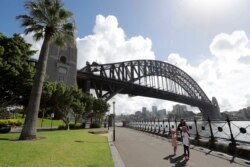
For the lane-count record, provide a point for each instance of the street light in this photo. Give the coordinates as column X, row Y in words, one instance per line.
column 52, row 116
column 108, row 117
column 113, row 120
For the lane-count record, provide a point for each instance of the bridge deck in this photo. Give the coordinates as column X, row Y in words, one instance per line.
column 138, row 148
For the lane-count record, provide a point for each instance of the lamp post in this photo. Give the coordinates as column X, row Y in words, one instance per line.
column 108, row 117
column 52, row 116
column 113, row 120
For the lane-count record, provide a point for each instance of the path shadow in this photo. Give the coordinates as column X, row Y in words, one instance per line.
column 179, row 161
column 168, row 157
column 4, row 138
column 209, row 152
column 86, row 141
column 232, row 160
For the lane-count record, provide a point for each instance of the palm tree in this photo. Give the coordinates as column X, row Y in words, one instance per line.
column 47, row 20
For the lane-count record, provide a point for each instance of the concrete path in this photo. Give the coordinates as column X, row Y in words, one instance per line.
column 141, row 149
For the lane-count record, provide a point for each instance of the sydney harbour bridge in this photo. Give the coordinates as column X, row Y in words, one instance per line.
column 148, row 78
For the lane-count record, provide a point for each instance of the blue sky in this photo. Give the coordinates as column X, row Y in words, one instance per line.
column 206, row 38
column 166, row 23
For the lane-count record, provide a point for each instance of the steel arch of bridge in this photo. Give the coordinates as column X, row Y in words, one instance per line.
column 150, row 78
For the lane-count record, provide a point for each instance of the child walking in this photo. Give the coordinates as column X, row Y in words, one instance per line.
column 174, row 140
column 186, row 142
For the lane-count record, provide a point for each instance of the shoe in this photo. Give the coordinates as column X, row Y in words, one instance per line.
column 187, row 158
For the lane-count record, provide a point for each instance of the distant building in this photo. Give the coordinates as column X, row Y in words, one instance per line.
column 179, row 109
column 162, row 113
column 154, row 109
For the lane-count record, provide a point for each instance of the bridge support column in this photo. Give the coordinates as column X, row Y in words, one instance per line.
column 86, row 86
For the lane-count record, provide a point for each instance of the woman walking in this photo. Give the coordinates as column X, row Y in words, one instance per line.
column 186, row 142
column 174, row 141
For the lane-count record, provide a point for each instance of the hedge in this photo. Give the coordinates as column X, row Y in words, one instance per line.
column 12, row 122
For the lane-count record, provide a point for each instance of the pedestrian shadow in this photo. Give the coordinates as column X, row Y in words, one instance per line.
column 179, row 161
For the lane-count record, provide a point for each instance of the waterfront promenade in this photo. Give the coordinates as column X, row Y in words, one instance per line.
column 139, row 149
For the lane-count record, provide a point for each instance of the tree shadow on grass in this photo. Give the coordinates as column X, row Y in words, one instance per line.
column 85, row 141
column 17, row 139
column 178, row 161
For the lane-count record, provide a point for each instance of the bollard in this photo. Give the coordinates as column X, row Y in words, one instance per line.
column 169, row 130
column 158, row 126
column 175, row 123
column 151, row 123
column 154, row 126
column 143, row 125
column 233, row 142
column 197, row 136
column 163, row 128
column 212, row 139
column 151, row 126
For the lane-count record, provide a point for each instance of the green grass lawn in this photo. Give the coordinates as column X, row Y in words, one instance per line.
column 44, row 123
column 74, row 148
column 47, row 123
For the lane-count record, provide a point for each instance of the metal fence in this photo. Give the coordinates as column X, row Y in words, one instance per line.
column 234, row 132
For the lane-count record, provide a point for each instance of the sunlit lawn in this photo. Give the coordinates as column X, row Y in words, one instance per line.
column 42, row 123
column 48, row 123
column 74, row 148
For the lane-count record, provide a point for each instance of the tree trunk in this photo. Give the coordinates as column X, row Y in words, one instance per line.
column 67, row 123
column 29, row 128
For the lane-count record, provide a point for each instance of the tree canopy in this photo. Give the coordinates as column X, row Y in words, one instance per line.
column 16, row 72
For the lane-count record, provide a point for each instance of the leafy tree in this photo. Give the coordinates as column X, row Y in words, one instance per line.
column 88, row 99
column 46, row 105
column 100, row 107
column 63, row 100
column 78, row 108
column 16, row 73
column 47, row 20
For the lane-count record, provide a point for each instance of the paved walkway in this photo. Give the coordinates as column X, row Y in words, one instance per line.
column 140, row 149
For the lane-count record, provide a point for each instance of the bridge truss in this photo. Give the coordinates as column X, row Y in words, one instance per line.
column 149, row 78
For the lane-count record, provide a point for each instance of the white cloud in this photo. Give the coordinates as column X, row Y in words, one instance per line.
column 248, row 99
column 36, row 45
column 228, row 48
column 177, row 60
column 108, row 43
column 223, row 76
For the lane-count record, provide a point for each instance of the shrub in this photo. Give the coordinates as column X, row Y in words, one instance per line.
column 61, row 127
column 72, row 126
column 95, row 125
column 3, row 121
column 12, row 122
column 15, row 122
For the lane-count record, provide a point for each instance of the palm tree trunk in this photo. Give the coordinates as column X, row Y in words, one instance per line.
column 29, row 128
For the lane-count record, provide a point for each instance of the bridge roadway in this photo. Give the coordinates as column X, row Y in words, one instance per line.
column 134, row 148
